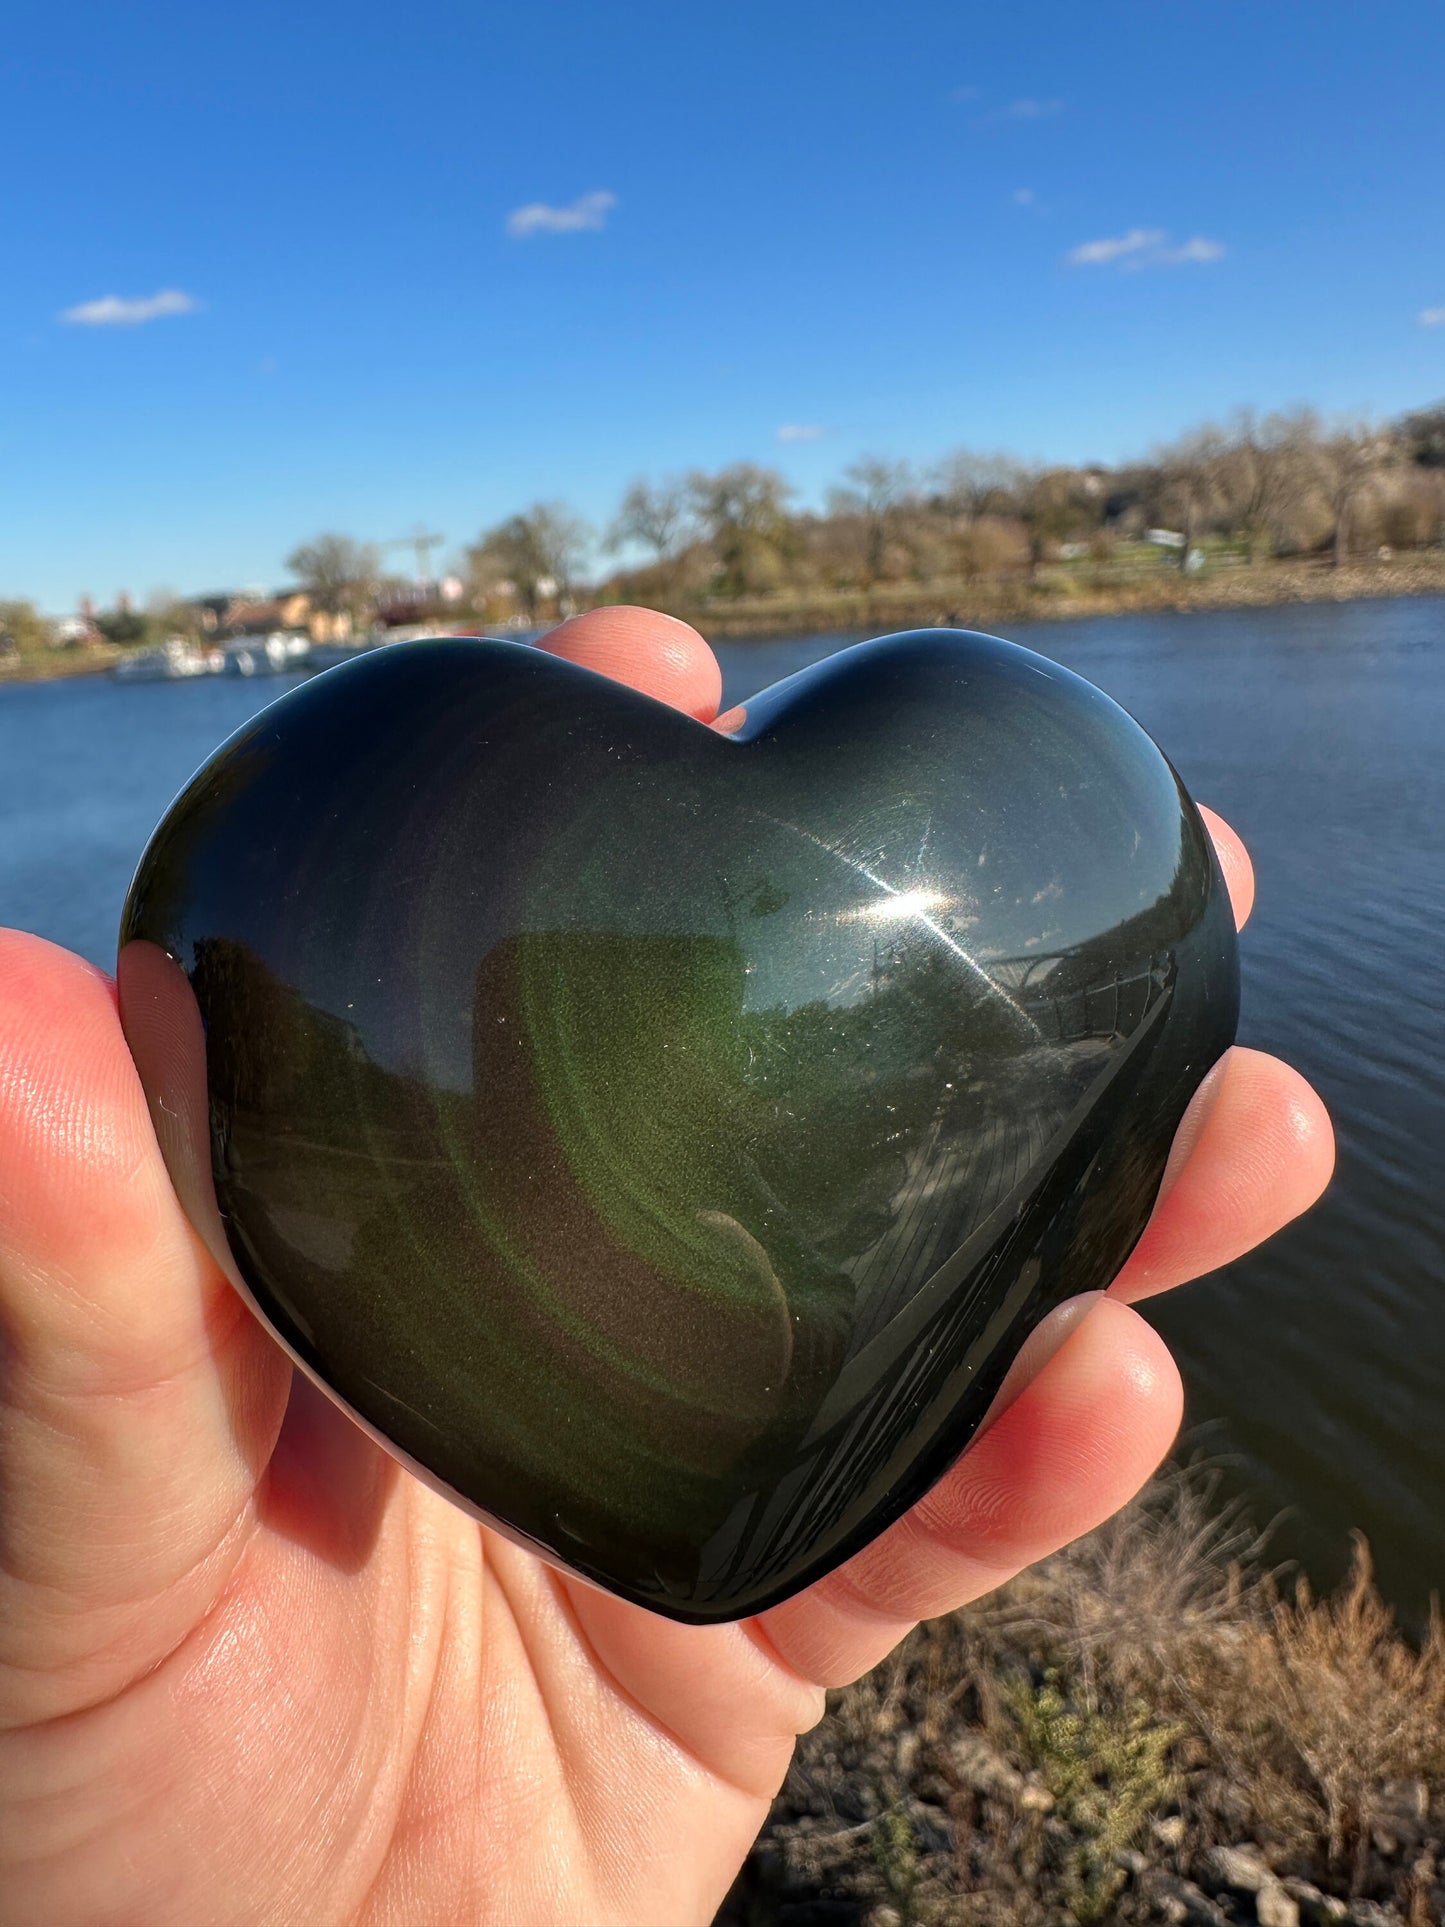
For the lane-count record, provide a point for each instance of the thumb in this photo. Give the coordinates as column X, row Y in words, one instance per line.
column 139, row 1400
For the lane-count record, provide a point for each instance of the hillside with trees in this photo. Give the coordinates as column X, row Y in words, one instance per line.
column 1244, row 512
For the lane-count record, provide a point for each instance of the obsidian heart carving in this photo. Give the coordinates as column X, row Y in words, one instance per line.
column 665, row 1142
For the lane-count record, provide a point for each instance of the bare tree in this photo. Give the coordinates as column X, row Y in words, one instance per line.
column 656, row 518
column 877, row 490
column 743, row 511
column 1412, row 511
column 541, row 552
column 337, row 573
column 564, row 541
column 991, row 545
column 1053, row 507
column 1270, row 470
column 972, row 484
column 1354, row 458
column 1189, row 472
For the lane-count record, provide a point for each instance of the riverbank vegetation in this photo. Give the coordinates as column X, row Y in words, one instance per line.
column 1149, row 1727
column 1270, row 509
column 1259, row 511
column 1266, row 509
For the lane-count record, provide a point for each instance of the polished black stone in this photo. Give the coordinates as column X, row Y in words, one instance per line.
column 665, row 1142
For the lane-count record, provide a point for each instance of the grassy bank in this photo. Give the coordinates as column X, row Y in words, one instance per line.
column 57, row 665
column 1147, row 1728
column 1061, row 592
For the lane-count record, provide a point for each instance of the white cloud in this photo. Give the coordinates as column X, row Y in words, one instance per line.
column 1144, row 247
column 801, row 432
column 1031, row 110
column 1431, row 318
column 587, row 211
column 1022, row 197
column 1197, row 248
column 1098, row 254
column 112, row 311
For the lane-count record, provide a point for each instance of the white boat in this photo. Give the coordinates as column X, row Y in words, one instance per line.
column 270, row 655
column 172, row 661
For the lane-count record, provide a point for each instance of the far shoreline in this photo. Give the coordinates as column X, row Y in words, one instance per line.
column 1056, row 596
column 1061, row 598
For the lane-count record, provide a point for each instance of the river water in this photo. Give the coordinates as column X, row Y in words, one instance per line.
column 1316, row 1367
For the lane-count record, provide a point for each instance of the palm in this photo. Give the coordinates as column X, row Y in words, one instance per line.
column 251, row 1672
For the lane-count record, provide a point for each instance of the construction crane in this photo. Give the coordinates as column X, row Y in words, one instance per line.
column 422, row 543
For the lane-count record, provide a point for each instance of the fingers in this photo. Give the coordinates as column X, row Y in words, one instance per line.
column 139, row 1398
column 1074, row 1446
column 1255, row 1150
column 1090, row 1423
column 1235, row 863
column 655, row 653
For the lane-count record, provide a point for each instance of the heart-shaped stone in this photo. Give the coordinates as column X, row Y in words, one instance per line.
column 663, row 1142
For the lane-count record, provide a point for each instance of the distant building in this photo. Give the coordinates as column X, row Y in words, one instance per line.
column 69, row 631
column 250, row 612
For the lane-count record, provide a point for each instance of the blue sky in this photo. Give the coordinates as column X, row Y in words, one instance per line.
column 878, row 224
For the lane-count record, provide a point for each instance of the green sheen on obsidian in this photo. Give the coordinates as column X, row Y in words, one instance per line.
column 665, row 1142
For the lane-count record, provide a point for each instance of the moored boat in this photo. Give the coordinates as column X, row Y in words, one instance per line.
column 171, row 661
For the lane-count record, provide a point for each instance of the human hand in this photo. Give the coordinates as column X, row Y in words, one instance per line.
column 251, row 1672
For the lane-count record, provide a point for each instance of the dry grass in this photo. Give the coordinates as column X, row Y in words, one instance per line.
column 1061, row 591
column 1079, row 1749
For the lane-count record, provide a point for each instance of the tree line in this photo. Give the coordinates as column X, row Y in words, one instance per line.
column 1258, row 487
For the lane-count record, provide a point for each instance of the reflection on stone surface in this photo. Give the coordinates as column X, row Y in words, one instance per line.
column 666, row 1142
